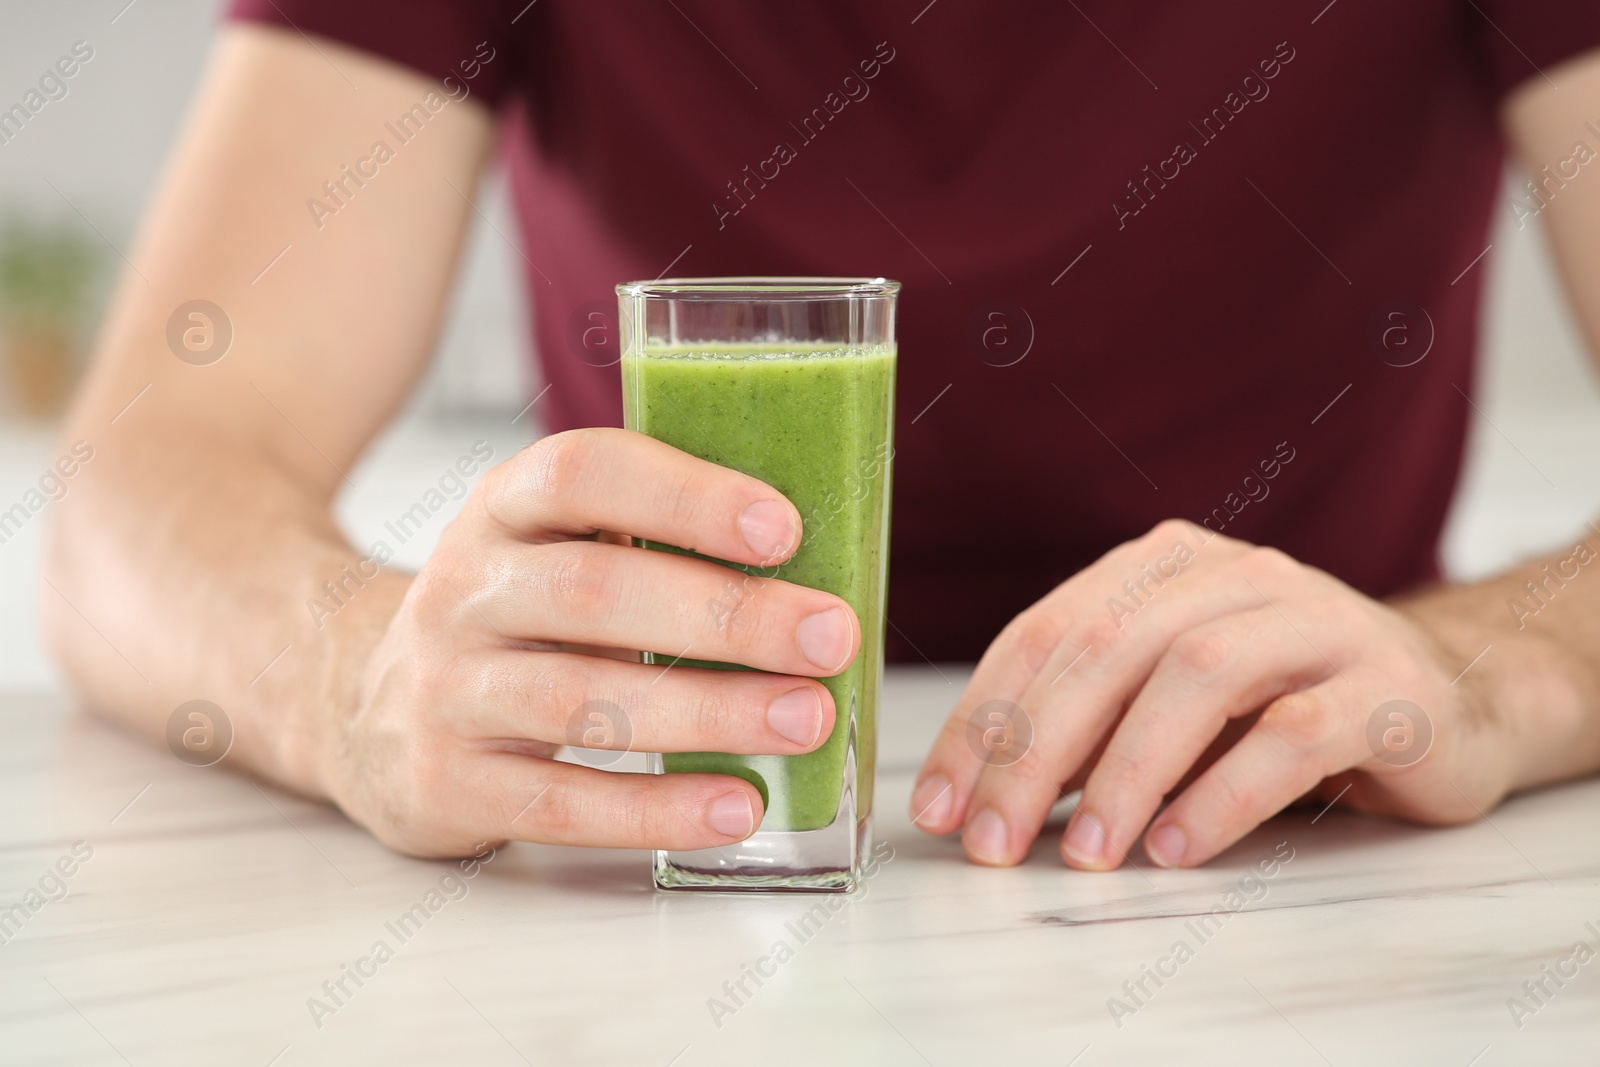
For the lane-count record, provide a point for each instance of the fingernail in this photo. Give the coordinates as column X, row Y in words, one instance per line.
column 932, row 801
column 825, row 639
column 731, row 816
column 1165, row 845
column 985, row 838
column 768, row 528
column 797, row 715
column 1086, row 842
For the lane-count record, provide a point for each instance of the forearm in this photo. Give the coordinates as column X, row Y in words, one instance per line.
column 1534, row 651
column 181, row 571
column 182, row 560
column 1543, row 671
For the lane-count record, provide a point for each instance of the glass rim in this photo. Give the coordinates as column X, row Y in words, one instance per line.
column 762, row 288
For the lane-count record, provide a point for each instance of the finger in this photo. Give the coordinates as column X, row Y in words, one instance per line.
column 592, row 702
column 1215, row 672
column 510, row 797
column 1048, row 639
column 1072, row 710
column 584, row 592
column 582, row 481
column 945, row 783
column 1299, row 740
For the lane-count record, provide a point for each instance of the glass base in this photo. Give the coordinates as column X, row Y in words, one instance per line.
column 825, row 860
column 807, row 861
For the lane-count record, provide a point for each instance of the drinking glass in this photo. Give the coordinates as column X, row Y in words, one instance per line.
column 789, row 380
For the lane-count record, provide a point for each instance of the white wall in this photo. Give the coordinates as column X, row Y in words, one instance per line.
column 104, row 144
column 1531, row 480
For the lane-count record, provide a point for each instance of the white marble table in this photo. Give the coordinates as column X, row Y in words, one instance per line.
column 211, row 910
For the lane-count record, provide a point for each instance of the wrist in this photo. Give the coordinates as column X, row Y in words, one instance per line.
column 344, row 646
column 1524, row 691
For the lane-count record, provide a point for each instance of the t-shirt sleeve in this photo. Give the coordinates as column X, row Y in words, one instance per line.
column 1524, row 39
column 469, row 41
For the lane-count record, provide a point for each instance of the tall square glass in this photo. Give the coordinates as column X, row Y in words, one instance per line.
column 789, row 380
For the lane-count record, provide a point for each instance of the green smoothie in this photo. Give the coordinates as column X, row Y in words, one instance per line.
column 812, row 421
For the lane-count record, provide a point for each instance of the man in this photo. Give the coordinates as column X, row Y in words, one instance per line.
column 1179, row 283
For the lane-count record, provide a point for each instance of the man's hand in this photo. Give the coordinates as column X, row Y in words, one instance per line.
column 1193, row 664
column 521, row 619
column 184, row 561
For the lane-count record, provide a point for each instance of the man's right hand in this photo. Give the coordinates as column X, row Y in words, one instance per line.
column 525, row 614
column 181, row 564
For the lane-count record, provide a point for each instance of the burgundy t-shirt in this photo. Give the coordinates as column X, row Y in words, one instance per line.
column 1219, row 262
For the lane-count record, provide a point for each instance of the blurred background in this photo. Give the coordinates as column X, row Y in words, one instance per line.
column 74, row 181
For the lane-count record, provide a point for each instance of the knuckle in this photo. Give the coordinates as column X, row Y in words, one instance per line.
column 1301, row 720
column 683, row 501
column 454, row 679
column 716, row 719
column 1266, row 562
column 759, row 614
column 491, row 581
column 560, row 812
column 738, row 614
column 550, row 695
column 433, row 595
column 1037, row 764
column 953, row 733
column 1118, row 773
column 1167, row 531
column 1035, row 634
column 1232, row 798
column 554, row 682
column 1203, row 652
column 491, row 489
column 639, row 817
column 559, row 464
column 495, row 487
column 721, row 608
column 585, row 580
column 1101, row 633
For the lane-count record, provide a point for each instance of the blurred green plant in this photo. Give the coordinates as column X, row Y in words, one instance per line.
column 47, row 275
column 46, row 272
